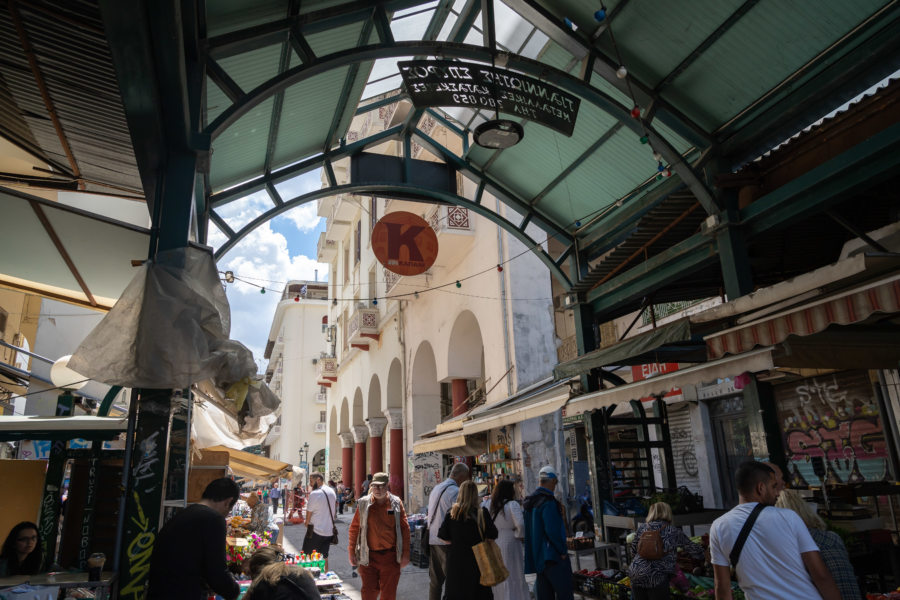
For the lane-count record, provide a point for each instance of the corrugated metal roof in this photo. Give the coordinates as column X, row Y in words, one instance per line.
column 74, row 62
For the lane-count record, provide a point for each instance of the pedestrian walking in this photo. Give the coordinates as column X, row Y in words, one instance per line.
column 320, row 507
column 769, row 548
column 265, row 495
column 507, row 516
column 830, row 544
column 655, row 547
column 364, row 488
column 275, row 495
column 464, row 526
column 440, row 500
column 546, row 552
column 340, row 496
column 379, row 540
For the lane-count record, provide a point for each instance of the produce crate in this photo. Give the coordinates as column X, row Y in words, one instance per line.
column 598, row 587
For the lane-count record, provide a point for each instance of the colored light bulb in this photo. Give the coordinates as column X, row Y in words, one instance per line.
column 600, row 14
column 644, row 139
column 636, row 112
column 458, row 284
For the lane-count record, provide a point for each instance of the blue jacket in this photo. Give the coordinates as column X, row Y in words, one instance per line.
column 545, row 530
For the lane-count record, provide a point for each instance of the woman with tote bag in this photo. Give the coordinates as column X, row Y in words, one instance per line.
column 466, row 525
column 507, row 516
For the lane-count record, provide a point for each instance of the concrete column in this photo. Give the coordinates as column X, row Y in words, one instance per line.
column 458, row 393
column 376, row 427
column 360, row 434
column 395, row 420
column 346, row 458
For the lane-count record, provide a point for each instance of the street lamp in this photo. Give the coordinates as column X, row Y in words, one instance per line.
column 304, row 455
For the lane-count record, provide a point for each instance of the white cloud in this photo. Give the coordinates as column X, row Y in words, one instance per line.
column 264, row 259
column 304, row 217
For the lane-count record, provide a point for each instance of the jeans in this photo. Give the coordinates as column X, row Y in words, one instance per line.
column 660, row 592
column 437, row 571
column 555, row 581
column 380, row 576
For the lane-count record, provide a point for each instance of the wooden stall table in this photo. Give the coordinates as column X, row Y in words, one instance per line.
column 64, row 580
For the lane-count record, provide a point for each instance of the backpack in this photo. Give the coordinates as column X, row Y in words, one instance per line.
column 650, row 545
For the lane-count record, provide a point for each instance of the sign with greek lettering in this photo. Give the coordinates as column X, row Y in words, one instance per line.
column 404, row 243
column 472, row 85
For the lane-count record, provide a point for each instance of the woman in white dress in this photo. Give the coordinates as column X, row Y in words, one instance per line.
column 507, row 516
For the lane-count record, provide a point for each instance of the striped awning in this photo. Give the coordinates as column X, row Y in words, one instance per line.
column 847, row 308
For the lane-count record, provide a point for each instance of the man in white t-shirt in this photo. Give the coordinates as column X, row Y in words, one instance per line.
column 320, row 509
column 779, row 558
column 439, row 502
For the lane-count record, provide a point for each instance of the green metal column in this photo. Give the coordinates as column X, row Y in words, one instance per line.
column 585, row 336
column 144, row 493
column 48, row 522
column 736, row 272
column 90, row 500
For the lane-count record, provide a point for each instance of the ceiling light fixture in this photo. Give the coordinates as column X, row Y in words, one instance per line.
column 499, row 134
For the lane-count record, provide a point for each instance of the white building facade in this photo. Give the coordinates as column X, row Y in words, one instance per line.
column 294, row 349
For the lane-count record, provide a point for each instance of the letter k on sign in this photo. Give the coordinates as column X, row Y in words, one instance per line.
column 404, row 243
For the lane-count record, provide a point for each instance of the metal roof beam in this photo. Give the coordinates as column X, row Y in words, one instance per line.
column 577, row 162
column 284, row 62
column 574, row 43
column 349, row 82
column 259, row 36
column 498, row 190
column 383, row 25
column 407, row 192
column 465, row 21
column 535, row 68
column 712, row 38
column 313, row 162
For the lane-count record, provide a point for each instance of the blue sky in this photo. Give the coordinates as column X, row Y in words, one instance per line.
column 275, row 252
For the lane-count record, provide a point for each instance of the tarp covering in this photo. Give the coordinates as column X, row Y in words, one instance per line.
column 212, row 426
column 169, row 329
column 253, row 466
column 640, row 349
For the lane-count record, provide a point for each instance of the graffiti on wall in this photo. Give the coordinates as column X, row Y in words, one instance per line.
column 832, row 430
column 424, row 474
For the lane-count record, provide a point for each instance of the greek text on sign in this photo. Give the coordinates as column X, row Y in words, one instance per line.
column 471, row 85
column 404, row 243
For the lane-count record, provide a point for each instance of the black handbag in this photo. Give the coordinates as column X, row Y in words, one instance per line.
column 334, row 531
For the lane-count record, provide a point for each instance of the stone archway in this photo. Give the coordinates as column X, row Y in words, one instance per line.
column 465, row 363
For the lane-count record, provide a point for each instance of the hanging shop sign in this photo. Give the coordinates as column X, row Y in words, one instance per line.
column 832, row 430
column 477, row 86
column 404, row 243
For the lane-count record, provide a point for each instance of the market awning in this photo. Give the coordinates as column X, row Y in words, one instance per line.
column 65, row 252
column 843, row 347
column 759, row 360
column 252, row 466
column 85, row 427
column 668, row 343
column 454, row 443
column 537, row 402
column 853, row 306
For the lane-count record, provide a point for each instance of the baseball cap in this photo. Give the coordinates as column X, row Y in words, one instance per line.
column 548, row 472
column 380, row 478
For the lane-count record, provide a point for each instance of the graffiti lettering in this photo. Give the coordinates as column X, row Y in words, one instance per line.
column 863, row 436
column 144, row 468
column 140, row 549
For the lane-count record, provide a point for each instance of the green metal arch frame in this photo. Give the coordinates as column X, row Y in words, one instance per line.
column 528, row 66
column 404, row 192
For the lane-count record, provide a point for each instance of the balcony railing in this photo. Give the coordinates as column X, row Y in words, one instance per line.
column 321, row 427
column 321, row 398
column 362, row 325
column 327, row 369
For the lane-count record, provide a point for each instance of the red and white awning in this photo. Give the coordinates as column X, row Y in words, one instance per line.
column 847, row 308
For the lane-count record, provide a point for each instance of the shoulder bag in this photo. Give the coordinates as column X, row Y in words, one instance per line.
column 742, row 537
column 334, row 531
column 487, row 555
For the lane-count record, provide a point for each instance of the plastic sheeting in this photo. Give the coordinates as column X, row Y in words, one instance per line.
column 211, row 426
column 169, row 329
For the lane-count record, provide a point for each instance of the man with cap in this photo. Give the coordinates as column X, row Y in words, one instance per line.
column 546, row 552
column 379, row 540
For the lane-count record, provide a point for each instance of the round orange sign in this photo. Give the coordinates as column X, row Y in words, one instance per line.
column 404, row 243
